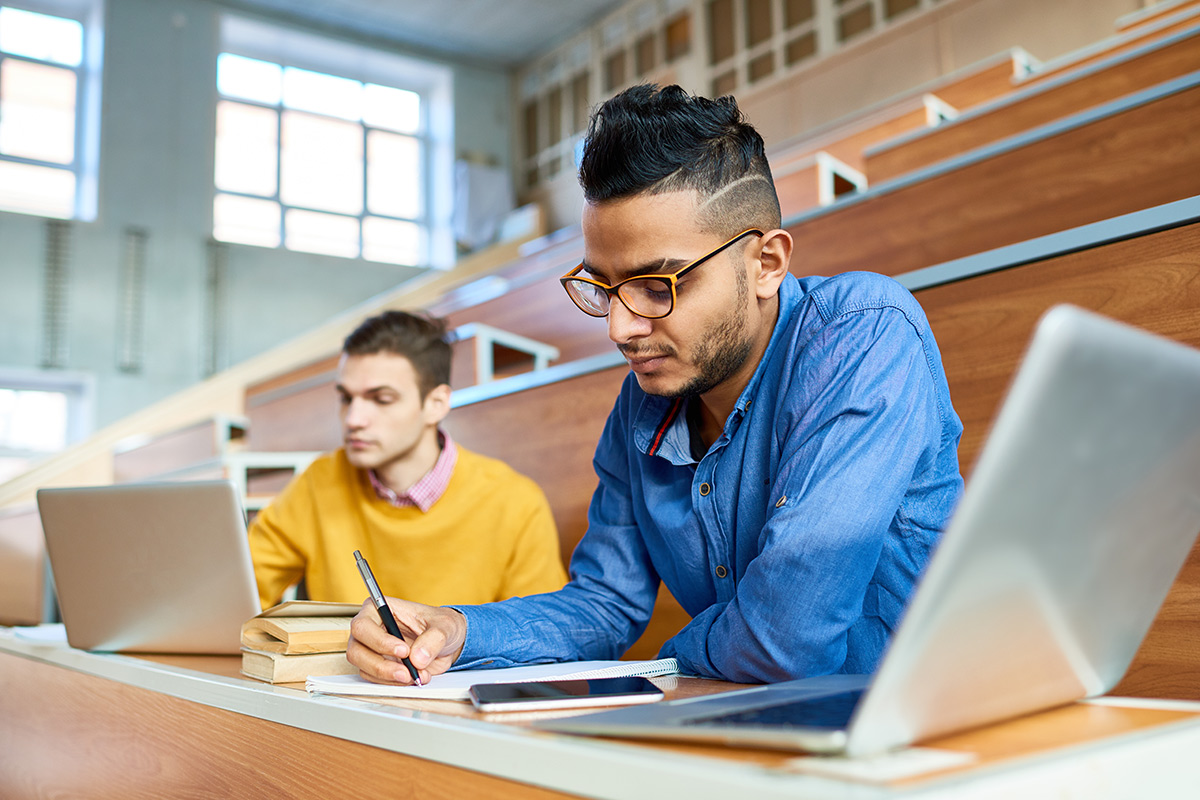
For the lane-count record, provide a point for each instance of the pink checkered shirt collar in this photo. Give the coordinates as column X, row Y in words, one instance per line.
column 427, row 491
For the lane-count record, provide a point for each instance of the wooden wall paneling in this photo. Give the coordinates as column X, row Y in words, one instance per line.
column 295, row 411
column 1128, row 159
column 983, row 325
column 541, row 310
column 846, row 139
column 986, row 83
column 798, row 186
column 22, row 566
column 849, row 149
column 1037, row 104
column 173, row 451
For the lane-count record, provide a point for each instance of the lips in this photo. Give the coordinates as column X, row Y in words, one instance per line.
column 645, row 364
column 357, row 444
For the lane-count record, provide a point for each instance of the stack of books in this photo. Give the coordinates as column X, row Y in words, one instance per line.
column 293, row 640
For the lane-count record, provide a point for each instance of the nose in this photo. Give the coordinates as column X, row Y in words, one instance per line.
column 624, row 325
column 354, row 415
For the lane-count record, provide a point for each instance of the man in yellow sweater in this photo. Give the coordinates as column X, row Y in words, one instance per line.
column 441, row 524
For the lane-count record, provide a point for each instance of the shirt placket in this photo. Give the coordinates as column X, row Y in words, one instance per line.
column 707, row 499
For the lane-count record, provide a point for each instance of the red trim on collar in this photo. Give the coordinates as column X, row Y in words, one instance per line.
column 666, row 423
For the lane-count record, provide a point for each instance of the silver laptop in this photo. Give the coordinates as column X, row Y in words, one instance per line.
column 150, row 567
column 1081, row 511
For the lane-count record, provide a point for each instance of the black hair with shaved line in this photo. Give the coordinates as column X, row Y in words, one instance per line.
column 651, row 140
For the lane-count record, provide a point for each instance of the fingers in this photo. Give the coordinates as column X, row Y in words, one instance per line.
column 374, row 651
column 440, row 644
column 435, row 640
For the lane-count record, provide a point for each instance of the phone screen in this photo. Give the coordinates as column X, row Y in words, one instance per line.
column 540, row 695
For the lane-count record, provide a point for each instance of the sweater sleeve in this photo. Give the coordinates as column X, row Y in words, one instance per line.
column 279, row 560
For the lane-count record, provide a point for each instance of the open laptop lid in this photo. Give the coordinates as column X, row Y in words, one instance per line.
column 1079, row 514
column 150, row 567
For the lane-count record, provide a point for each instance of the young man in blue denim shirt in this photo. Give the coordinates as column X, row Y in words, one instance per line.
column 783, row 455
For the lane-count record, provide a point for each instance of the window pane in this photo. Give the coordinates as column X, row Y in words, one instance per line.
column 322, row 94
column 246, row 220
column 40, row 36
column 37, row 190
column 394, row 109
column 614, row 70
column 645, row 54
column 394, row 175
column 321, row 164
column 720, row 31
column 330, row 234
column 249, row 79
column 392, row 241
column 247, row 148
column 855, row 22
column 797, row 11
column 37, row 111
column 579, row 102
column 758, row 21
column 33, row 420
column 679, row 36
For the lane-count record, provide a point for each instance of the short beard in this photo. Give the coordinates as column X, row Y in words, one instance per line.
column 725, row 348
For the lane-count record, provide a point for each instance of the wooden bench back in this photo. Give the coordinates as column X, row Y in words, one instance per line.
column 1039, row 103
column 983, row 324
column 1128, row 159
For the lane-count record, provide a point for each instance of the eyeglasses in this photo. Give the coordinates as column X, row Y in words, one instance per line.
column 649, row 296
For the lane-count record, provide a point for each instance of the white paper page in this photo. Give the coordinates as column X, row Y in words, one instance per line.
column 454, row 685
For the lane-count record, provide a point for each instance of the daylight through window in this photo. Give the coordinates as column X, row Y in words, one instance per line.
column 41, row 59
column 319, row 163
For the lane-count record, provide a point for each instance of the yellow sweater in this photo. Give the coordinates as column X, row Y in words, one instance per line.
column 489, row 537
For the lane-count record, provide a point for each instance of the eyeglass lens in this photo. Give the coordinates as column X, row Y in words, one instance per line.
column 648, row 297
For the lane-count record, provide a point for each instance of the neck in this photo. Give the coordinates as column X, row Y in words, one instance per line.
column 402, row 472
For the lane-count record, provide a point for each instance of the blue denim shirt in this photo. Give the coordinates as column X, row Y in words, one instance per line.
column 795, row 542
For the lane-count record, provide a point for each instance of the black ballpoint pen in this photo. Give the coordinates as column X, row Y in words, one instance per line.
column 385, row 613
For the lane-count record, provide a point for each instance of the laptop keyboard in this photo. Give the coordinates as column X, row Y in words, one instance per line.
column 831, row 711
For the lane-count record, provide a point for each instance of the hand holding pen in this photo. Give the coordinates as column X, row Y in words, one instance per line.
column 385, row 613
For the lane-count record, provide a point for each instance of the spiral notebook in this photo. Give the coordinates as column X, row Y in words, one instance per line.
column 454, row 685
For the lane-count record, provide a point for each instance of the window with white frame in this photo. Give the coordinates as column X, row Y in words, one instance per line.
column 47, row 111
column 40, row 415
column 338, row 161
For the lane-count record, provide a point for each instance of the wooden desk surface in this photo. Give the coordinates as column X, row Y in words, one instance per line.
column 86, row 725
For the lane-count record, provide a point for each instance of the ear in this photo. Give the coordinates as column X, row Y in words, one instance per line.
column 436, row 405
column 775, row 253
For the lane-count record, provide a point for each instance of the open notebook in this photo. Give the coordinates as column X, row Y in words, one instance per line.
column 454, row 685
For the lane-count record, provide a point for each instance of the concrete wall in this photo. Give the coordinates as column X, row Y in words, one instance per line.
column 156, row 167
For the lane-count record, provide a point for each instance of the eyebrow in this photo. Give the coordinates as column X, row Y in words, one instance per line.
column 373, row 390
column 660, row 267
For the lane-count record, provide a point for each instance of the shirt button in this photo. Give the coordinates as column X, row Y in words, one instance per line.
column 721, row 571
column 705, row 489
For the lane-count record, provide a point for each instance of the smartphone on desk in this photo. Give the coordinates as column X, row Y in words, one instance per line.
column 545, row 695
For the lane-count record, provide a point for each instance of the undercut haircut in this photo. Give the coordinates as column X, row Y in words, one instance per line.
column 419, row 338
column 651, row 140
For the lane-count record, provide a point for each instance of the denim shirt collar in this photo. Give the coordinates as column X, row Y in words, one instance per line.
column 660, row 426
